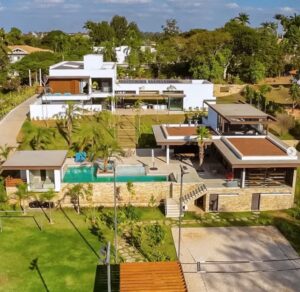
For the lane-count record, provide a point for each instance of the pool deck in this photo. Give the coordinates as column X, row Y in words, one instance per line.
column 143, row 156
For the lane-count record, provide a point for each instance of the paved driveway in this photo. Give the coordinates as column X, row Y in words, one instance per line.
column 13, row 121
column 254, row 245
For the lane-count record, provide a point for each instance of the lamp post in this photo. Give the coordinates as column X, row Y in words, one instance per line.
column 183, row 171
column 115, row 215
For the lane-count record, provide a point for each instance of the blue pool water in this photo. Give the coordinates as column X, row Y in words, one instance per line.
column 86, row 174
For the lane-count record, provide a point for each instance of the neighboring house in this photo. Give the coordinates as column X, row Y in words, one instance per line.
column 17, row 52
column 90, row 82
column 245, row 167
column 122, row 53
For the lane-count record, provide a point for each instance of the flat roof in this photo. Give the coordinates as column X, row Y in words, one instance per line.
column 256, row 146
column 69, row 65
column 237, row 162
column 36, row 159
column 155, row 276
column 238, row 110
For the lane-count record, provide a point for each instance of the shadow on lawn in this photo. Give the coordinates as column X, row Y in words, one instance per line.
column 34, row 266
column 81, row 235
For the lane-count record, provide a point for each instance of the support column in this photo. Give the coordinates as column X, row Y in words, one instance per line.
column 294, row 181
column 168, row 154
column 243, row 178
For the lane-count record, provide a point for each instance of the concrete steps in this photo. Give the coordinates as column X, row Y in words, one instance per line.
column 126, row 134
column 195, row 194
column 172, row 209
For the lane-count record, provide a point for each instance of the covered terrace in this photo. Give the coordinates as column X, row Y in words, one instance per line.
column 41, row 169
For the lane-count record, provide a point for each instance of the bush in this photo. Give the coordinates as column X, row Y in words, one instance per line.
column 155, row 234
column 131, row 213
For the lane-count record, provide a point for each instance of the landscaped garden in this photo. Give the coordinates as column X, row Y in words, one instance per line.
column 63, row 256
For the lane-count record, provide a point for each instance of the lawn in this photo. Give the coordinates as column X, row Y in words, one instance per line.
column 66, row 251
column 66, row 259
column 277, row 94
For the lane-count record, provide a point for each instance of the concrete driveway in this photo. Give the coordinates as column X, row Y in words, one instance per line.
column 11, row 124
column 256, row 246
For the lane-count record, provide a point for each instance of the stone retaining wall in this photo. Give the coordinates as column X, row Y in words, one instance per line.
column 230, row 199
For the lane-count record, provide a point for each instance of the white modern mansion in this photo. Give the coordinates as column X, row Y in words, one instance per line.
column 93, row 85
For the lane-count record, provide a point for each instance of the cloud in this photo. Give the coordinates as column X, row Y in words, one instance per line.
column 1, row 7
column 288, row 10
column 47, row 3
column 232, row 5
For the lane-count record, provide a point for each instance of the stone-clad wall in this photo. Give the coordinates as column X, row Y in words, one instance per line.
column 276, row 202
column 141, row 195
column 232, row 200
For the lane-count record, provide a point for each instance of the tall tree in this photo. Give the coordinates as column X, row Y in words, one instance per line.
column 77, row 192
column 202, row 135
column 120, row 26
column 171, row 27
column 22, row 194
column 295, row 94
column 3, row 50
column 243, row 18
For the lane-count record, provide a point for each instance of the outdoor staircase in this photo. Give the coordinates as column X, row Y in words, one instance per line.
column 126, row 132
column 172, row 208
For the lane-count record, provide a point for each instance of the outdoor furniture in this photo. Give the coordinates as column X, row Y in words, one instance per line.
column 80, row 156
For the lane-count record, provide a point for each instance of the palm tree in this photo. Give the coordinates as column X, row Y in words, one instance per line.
column 41, row 139
column 66, row 126
column 22, row 193
column 5, row 151
column 138, row 108
column 48, row 196
column 77, row 192
column 270, row 26
column 203, row 134
column 295, row 94
column 263, row 90
column 243, row 18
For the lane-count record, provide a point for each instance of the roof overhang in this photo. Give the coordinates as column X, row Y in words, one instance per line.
column 35, row 159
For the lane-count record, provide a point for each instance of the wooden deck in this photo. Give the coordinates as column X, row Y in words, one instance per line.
column 158, row 277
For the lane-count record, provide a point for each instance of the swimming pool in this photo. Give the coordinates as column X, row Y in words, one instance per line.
column 86, row 174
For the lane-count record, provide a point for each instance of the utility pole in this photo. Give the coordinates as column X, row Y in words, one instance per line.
column 40, row 76
column 29, row 77
column 115, row 215
column 183, row 171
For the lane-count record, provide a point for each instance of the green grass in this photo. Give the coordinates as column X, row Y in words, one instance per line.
column 66, row 257
column 277, row 94
column 65, row 260
column 146, row 138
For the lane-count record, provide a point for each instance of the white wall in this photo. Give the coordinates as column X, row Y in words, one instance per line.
column 57, row 179
column 49, row 111
column 212, row 119
column 196, row 92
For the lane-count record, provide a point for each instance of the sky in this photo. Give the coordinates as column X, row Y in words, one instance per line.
column 150, row 15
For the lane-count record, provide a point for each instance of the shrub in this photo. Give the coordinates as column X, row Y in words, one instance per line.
column 155, row 234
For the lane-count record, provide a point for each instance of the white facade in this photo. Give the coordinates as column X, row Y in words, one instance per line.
column 94, row 69
column 195, row 91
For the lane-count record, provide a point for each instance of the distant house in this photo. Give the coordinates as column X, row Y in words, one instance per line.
column 17, row 52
